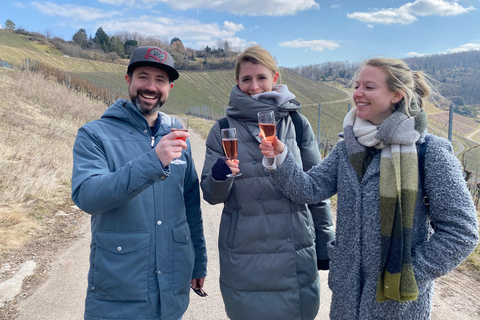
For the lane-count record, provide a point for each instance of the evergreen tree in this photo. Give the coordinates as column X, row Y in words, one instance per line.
column 81, row 38
column 129, row 47
column 102, row 39
column 10, row 25
column 116, row 45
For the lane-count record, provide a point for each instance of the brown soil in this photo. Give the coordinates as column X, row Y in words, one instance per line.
column 457, row 296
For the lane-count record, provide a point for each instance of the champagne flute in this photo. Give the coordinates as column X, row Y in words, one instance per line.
column 179, row 124
column 266, row 122
column 230, row 145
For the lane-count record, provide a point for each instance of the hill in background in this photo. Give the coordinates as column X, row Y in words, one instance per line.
column 209, row 90
column 456, row 76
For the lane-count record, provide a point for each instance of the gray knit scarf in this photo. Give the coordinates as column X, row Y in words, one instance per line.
column 396, row 137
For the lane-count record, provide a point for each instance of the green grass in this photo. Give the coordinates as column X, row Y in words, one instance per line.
column 11, row 39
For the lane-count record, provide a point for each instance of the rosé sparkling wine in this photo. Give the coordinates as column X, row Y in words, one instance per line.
column 268, row 130
column 231, row 148
column 182, row 129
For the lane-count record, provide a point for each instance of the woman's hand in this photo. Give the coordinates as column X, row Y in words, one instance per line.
column 223, row 167
column 273, row 149
column 233, row 165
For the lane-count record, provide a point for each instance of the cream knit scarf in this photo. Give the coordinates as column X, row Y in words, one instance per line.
column 396, row 137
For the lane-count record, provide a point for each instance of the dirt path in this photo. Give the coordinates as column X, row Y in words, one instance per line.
column 457, row 296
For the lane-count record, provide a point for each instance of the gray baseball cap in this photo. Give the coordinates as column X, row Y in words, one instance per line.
column 153, row 57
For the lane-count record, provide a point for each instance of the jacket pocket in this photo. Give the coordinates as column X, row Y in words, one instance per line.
column 228, row 225
column 331, row 246
column 121, row 266
column 183, row 259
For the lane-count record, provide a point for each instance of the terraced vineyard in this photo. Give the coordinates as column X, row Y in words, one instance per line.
column 17, row 56
column 207, row 88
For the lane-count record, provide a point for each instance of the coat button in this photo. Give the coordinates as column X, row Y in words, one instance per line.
column 259, row 201
column 159, row 222
column 283, row 199
column 254, row 162
column 119, row 248
column 163, row 178
column 289, row 240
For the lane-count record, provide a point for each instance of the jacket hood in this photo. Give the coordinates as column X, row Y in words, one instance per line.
column 245, row 108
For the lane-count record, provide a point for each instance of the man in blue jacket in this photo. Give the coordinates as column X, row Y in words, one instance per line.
column 147, row 245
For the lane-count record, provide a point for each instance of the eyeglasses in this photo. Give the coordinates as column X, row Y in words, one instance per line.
column 200, row 292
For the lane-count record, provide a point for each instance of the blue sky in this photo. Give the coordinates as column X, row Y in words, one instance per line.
column 296, row 32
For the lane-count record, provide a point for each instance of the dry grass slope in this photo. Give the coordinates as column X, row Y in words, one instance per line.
column 38, row 124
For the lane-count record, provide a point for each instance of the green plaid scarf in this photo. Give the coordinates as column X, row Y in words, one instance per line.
column 396, row 137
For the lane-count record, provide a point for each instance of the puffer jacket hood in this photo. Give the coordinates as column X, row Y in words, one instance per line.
column 245, row 108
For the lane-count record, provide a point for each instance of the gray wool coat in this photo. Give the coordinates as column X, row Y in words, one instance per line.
column 267, row 247
column 355, row 253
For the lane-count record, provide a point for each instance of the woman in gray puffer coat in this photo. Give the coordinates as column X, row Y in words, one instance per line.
column 389, row 245
column 270, row 247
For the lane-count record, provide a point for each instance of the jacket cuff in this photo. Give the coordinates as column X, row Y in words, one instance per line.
column 323, row 264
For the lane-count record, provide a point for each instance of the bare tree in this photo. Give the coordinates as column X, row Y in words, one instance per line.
column 48, row 33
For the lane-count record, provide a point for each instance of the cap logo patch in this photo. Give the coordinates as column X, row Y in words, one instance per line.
column 157, row 54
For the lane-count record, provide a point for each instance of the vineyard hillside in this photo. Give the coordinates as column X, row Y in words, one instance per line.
column 207, row 89
column 210, row 89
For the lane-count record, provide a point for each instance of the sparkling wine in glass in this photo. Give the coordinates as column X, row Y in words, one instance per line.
column 179, row 124
column 266, row 122
column 230, row 145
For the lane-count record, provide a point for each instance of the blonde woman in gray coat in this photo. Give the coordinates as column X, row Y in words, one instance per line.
column 270, row 247
column 389, row 246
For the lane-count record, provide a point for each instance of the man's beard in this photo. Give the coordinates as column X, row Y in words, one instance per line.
column 147, row 110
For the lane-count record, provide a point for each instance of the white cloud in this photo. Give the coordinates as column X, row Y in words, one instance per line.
column 416, row 54
column 409, row 12
column 474, row 45
column 116, row 2
column 241, row 8
column 233, row 27
column 437, row 8
column 72, row 11
column 190, row 31
column 235, row 42
column 314, row 45
column 384, row 16
column 19, row 5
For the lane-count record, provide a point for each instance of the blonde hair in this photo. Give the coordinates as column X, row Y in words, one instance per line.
column 256, row 55
column 413, row 85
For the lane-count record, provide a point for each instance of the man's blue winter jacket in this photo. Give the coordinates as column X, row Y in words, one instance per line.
column 147, row 234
